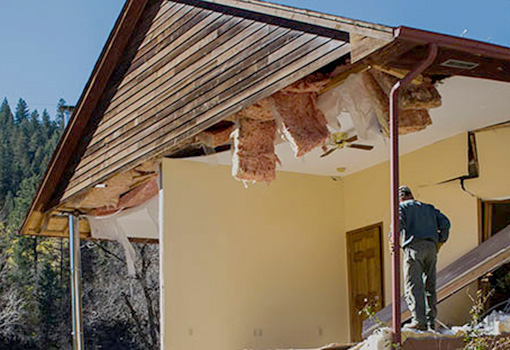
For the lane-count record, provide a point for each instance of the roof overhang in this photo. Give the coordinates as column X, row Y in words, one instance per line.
column 400, row 48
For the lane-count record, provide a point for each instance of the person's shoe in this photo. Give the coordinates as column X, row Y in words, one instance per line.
column 431, row 327
column 415, row 326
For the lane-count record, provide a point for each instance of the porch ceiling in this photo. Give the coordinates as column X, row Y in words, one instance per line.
column 468, row 104
column 130, row 114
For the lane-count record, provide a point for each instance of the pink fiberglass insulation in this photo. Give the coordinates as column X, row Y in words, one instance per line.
column 303, row 124
column 254, row 159
column 410, row 120
column 133, row 198
column 413, row 96
column 311, row 83
column 216, row 137
column 261, row 110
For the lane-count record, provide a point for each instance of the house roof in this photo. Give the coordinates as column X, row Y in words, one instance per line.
column 154, row 87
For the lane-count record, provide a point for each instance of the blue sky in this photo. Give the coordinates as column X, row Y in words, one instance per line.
column 49, row 48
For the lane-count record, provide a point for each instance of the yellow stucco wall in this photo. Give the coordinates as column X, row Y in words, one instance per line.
column 427, row 171
column 494, row 156
column 256, row 268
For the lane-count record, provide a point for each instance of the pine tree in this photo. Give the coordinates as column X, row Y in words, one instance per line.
column 26, row 145
column 49, row 299
column 119, row 312
column 6, row 117
column 60, row 117
column 22, row 112
column 6, row 126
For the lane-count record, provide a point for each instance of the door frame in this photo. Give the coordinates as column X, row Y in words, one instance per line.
column 485, row 218
column 349, row 263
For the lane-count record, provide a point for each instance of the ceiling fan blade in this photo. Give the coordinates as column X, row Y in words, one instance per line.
column 363, row 147
column 327, row 153
column 352, row 139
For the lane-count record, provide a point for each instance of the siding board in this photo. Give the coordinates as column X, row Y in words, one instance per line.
column 181, row 82
column 179, row 78
column 193, row 67
column 180, row 28
column 166, row 62
column 204, row 95
column 193, row 127
column 168, row 9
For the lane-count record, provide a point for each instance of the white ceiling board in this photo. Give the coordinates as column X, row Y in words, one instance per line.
column 468, row 104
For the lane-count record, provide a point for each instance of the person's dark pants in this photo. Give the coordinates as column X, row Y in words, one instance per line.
column 420, row 259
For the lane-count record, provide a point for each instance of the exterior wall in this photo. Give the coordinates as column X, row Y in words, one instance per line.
column 367, row 198
column 271, row 260
column 256, row 268
column 494, row 156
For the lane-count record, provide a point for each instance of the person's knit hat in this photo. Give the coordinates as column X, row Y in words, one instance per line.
column 404, row 192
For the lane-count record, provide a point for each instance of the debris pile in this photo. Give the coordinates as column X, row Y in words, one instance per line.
column 495, row 323
column 494, row 328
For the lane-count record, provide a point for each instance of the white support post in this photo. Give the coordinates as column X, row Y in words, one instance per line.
column 75, row 262
column 161, row 232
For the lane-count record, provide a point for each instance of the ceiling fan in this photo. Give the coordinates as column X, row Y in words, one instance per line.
column 339, row 140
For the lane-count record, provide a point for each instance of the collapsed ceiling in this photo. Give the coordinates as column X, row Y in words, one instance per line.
column 304, row 115
column 337, row 108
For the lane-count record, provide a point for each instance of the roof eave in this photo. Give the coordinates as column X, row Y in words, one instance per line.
column 471, row 46
column 127, row 22
column 88, row 101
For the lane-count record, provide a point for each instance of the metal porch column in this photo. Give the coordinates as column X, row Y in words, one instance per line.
column 75, row 262
column 395, row 180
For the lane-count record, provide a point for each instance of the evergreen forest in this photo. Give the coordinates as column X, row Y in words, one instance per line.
column 120, row 312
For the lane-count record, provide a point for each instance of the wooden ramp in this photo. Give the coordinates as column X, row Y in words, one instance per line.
column 485, row 258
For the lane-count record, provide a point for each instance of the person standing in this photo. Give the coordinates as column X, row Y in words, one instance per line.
column 423, row 230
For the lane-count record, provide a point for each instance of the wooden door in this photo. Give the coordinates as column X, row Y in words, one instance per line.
column 365, row 274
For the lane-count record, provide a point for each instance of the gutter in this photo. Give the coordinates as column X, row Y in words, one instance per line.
column 444, row 41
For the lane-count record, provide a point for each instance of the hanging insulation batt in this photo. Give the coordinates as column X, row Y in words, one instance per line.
column 303, row 124
column 413, row 96
column 254, row 157
column 410, row 120
column 216, row 136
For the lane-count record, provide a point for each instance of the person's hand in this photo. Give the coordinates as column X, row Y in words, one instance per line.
column 438, row 246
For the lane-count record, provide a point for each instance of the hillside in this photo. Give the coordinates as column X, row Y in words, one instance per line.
column 34, row 273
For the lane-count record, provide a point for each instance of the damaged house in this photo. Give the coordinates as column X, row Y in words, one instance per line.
column 251, row 142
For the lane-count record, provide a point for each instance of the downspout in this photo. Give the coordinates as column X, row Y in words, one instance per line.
column 395, row 180
column 75, row 262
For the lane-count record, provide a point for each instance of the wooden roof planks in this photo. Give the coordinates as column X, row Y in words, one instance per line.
column 173, row 68
column 203, row 66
